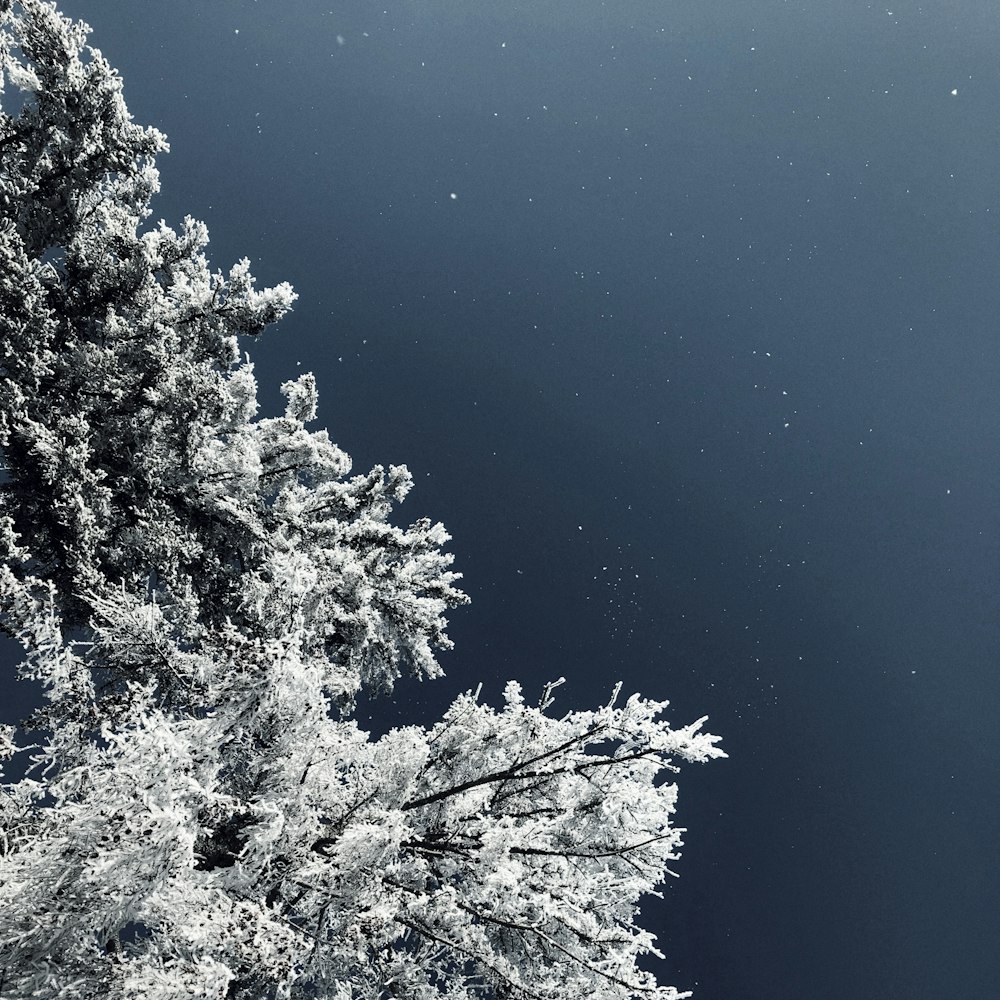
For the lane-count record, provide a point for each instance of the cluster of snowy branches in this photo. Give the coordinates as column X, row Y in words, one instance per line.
column 201, row 594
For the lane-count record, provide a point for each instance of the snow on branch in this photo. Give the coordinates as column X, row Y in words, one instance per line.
column 201, row 593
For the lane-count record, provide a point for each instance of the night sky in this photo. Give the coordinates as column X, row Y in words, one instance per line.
column 684, row 316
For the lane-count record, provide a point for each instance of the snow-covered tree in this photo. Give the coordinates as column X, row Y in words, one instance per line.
column 201, row 594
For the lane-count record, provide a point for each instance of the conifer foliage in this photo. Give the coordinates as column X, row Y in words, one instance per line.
column 201, row 593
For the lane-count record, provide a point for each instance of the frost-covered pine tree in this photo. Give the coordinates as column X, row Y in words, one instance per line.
column 201, row 594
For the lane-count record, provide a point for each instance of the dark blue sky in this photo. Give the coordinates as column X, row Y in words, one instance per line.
column 699, row 366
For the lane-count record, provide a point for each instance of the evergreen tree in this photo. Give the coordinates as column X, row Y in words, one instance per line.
column 201, row 594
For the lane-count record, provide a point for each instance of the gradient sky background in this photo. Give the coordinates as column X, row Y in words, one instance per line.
column 684, row 316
